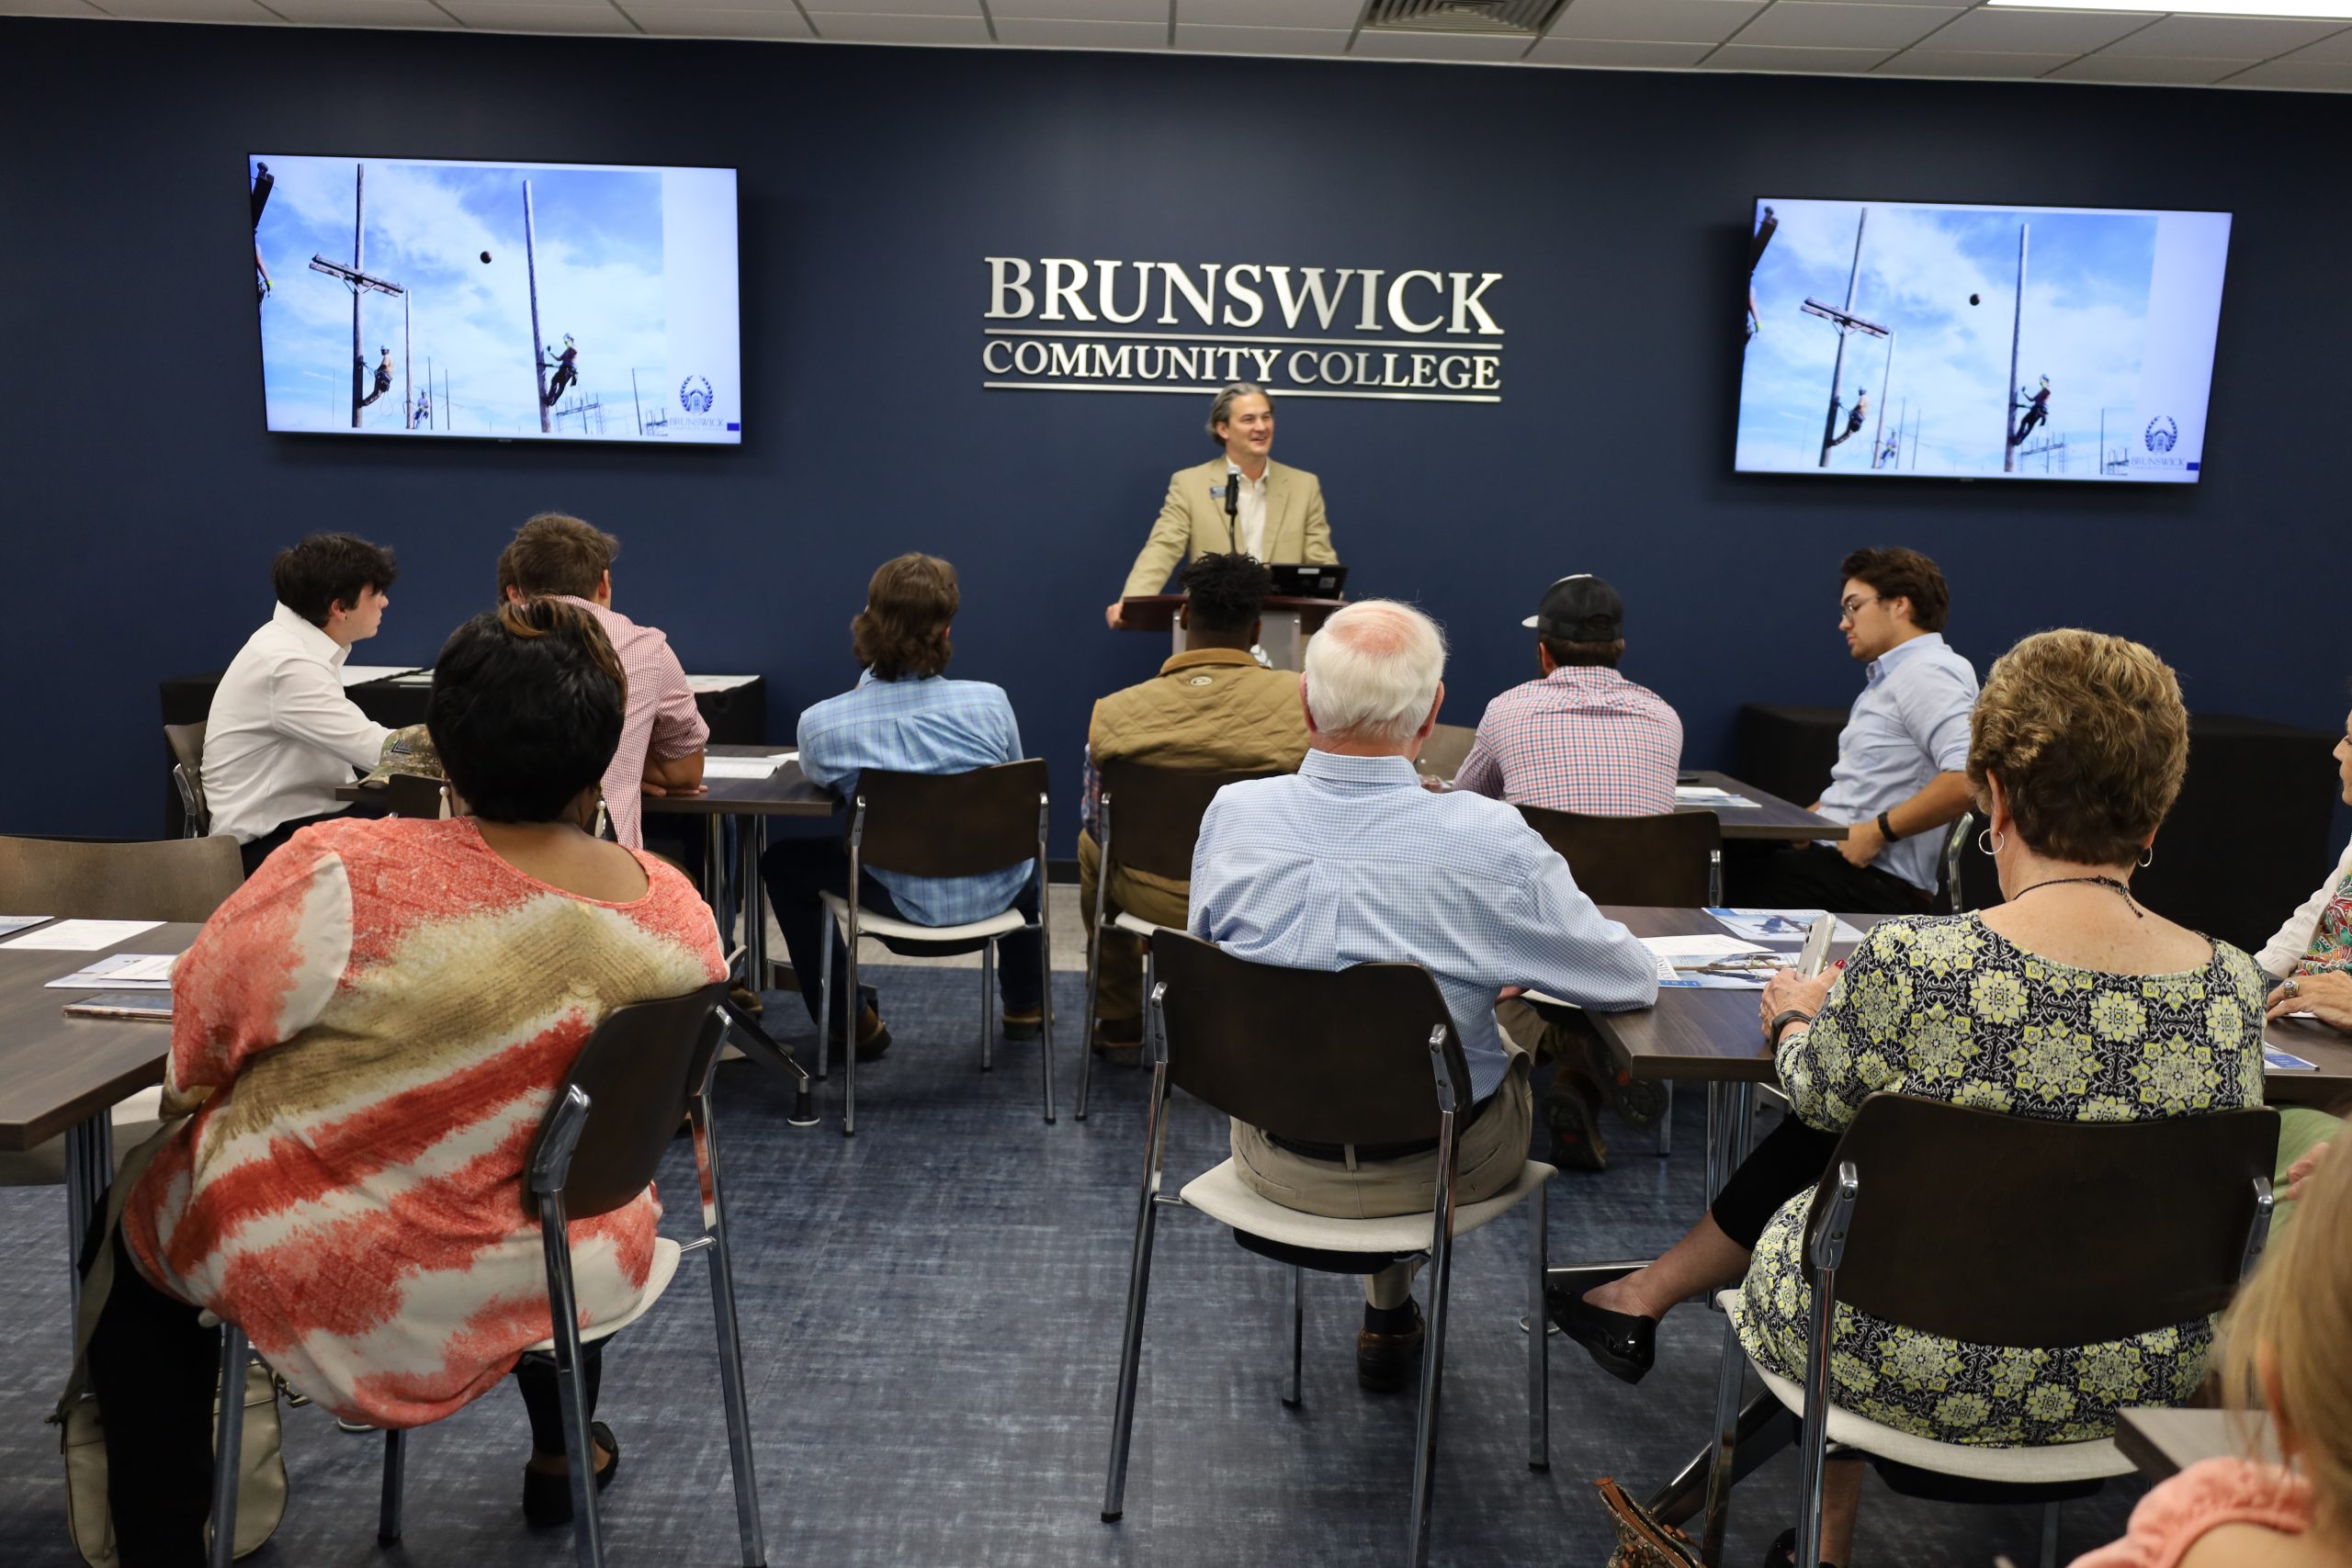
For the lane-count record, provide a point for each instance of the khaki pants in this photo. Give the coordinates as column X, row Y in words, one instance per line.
column 1491, row 1155
column 1122, row 993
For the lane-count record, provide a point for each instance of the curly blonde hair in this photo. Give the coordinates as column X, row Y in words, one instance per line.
column 2091, row 740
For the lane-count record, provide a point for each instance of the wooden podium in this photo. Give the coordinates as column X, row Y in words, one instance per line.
column 1286, row 624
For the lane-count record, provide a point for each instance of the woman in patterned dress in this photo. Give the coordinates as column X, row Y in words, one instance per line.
column 367, row 1034
column 2070, row 1001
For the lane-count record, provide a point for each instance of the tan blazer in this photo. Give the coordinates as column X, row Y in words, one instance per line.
column 1192, row 522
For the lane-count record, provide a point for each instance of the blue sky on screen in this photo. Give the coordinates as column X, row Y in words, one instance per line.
column 600, row 274
column 2084, row 327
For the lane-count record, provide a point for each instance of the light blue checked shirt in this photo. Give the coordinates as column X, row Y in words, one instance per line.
column 1351, row 860
column 924, row 724
column 1909, row 724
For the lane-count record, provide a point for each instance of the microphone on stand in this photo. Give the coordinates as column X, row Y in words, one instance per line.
column 1232, row 504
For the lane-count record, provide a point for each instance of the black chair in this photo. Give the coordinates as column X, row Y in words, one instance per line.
column 645, row 1068
column 942, row 825
column 1327, row 1057
column 186, row 742
column 1995, row 1229
column 1160, row 813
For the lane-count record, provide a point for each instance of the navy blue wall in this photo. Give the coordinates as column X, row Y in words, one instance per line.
column 142, row 498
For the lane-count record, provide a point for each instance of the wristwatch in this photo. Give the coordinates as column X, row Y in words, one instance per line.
column 1780, row 1021
column 1887, row 827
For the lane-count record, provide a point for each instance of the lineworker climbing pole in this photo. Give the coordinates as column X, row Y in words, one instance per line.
column 1854, row 417
column 383, row 378
column 567, row 369
column 2037, row 411
column 421, row 417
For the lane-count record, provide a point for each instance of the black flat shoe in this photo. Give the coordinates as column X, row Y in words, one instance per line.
column 1782, row 1553
column 547, row 1499
column 1624, row 1344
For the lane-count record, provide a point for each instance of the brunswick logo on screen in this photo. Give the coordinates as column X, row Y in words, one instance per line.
column 1060, row 324
column 694, row 395
column 2161, row 433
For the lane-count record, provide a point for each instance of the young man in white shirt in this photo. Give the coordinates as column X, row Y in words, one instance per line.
column 282, row 736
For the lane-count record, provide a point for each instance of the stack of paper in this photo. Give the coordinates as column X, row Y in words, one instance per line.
column 1709, row 795
column 122, row 972
column 20, row 922
column 82, row 936
column 745, row 767
column 1718, row 962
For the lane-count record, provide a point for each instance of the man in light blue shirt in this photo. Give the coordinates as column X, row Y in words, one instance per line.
column 1901, row 760
column 905, row 716
column 1351, row 862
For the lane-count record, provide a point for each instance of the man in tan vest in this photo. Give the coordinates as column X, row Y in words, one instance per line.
column 1240, row 500
column 1212, row 708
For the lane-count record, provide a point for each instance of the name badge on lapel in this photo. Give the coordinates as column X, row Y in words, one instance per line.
column 1216, row 492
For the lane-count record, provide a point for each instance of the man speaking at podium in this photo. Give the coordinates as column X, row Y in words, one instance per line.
column 1240, row 502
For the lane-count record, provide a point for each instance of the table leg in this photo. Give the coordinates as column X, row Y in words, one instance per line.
column 754, row 900
column 89, row 1169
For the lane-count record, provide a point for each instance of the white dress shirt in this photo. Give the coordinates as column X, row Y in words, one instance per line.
column 282, row 736
column 1249, row 523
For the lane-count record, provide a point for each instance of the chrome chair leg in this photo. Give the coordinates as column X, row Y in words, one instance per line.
column 1731, row 1378
column 1045, row 979
column 2048, row 1510
column 854, row 1011
column 729, row 1332
column 1416, row 1550
column 987, row 1000
column 228, row 1446
column 388, row 1514
column 1291, row 1392
column 1539, row 1353
column 579, row 1445
column 825, row 993
column 1665, row 1125
column 1122, row 1413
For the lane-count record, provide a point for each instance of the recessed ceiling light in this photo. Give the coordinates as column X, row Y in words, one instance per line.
column 2339, row 9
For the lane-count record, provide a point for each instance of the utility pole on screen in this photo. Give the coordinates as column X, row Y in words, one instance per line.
column 531, row 269
column 2017, row 327
column 1846, row 322
column 356, row 278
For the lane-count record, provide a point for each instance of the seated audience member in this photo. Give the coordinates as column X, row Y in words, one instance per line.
column 661, row 750
column 2284, row 1351
column 1581, row 737
column 1351, row 860
column 282, row 736
column 1898, row 775
column 349, row 1189
column 2070, row 1001
column 903, row 716
column 1212, row 708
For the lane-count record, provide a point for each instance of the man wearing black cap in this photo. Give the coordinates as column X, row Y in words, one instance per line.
column 1581, row 737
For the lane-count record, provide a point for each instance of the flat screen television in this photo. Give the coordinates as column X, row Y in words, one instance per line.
column 1930, row 339
column 504, row 302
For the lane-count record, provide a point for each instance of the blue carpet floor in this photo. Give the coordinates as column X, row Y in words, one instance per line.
column 931, row 1314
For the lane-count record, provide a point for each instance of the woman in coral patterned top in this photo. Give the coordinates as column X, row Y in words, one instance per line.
column 369, row 1034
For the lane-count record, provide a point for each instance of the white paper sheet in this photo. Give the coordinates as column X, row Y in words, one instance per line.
column 360, row 674
column 80, row 936
column 1778, row 925
column 745, row 767
column 1700, row 948
column 699, row 684
column 122, row 972
column 1707, row 794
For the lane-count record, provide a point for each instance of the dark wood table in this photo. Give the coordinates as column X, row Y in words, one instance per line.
column 1770, row 818
column 2163, row 1443
column 64, row 1075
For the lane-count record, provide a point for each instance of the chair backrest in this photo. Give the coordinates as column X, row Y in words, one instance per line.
column 1155, row 813
column 1325, row 1057
column 951, row 824
column 170, row 879
column 639, row 1069
column 413, row 795
column 186, row 742
column 1998, row 1229
column 1666, row 860
column 1442, row 752
column 1955, row 851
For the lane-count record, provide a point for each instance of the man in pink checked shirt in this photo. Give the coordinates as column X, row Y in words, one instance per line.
column 662, row 733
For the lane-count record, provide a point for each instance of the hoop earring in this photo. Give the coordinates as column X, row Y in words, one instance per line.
column 2147, row 857
column 1985, row 842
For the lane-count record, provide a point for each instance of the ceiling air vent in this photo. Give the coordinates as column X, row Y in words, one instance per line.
column 1500, row 18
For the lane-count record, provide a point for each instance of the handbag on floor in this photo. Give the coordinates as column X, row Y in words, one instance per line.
column 1641, row 1541
column 261, row 1481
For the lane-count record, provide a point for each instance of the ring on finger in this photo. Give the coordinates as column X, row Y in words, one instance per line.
column 2293, row 987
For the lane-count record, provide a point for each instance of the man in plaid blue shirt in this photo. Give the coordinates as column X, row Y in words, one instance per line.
column 1350, row 861
column 905, row 716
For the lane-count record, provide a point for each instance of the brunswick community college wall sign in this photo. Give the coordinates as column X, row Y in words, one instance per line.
column 1060, row 324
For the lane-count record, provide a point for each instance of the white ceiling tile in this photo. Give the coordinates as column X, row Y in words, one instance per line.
column 957, row 9
column 1340, row 14
column 1765, row 57
column 1988, row 31
column 1047, row 32
column 1261, row 40
column 2304, row 75
column 1437, row 46
column 2147, row 69
column 2224, row 37
column 187, row 11
column 1960, row 62
column 1654, row 21
column 48, row 8
column 515, row 16
column 1152, row 11
column 843, row 28
column 1830, row 23
column 1613, row 51
column 2334, row 50
column 699, row 21
column 362, row 13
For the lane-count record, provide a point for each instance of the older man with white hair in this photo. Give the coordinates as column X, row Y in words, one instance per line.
column 1350, row 861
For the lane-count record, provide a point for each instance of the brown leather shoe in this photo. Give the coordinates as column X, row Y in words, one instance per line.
column 746, row 998
column 1389, row 1363
column 1119, row 1040
column 1574, row 1121
column 873, row 1035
